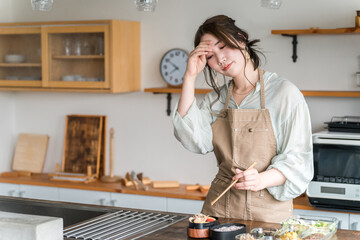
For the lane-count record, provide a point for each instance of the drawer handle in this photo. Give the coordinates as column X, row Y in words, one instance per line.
column 102, row 201
column 112, row 203
column 11, row 193
column 339, row 224
column 354, row 226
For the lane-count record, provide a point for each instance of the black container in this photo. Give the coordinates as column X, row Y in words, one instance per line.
column 201, row 230
column 229, row 235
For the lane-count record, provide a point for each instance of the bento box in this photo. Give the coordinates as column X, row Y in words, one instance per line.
column 308, row 228
column 200, row 224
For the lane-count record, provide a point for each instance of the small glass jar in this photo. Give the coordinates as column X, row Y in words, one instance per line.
column 357, row 19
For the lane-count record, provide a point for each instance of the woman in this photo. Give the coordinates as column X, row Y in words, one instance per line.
column 256, row 117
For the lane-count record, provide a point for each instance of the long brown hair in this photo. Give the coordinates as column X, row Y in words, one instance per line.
column 224, row 29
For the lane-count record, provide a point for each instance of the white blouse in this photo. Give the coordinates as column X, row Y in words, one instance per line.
column 291, row 123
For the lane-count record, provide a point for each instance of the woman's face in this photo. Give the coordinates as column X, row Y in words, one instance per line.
column 223, row 59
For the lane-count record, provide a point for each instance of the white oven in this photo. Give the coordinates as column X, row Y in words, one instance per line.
column 336, row 182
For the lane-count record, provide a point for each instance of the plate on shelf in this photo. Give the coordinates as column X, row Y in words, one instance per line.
column 14, row 58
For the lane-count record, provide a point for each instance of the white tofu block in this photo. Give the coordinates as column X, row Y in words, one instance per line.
column 17, row 226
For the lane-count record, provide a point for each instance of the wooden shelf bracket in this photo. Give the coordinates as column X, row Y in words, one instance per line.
column 294, row 43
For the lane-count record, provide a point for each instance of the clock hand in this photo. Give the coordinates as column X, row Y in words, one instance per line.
column 176, row 67
column 174, row 70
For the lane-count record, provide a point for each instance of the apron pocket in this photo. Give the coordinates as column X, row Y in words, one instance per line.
column 218, row 209
column 248, row 146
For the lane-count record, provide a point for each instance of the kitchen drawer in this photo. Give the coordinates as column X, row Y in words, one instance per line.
column 138, row 201
column 9, row 189
column 184, row 205
column 39, row 192
column 354, row 223
column 342, row 217
column 84, row 196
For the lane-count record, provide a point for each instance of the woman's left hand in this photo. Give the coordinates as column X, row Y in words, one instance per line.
column 248, row 180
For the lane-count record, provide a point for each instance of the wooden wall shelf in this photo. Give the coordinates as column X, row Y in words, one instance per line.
column 318, row 31
column 294, row 32
column 306, row 93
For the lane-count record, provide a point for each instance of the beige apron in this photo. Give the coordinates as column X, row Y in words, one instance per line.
column 241, row 137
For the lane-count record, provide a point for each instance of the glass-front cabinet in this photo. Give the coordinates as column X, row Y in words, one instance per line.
column 20, row 62
column 77, row 57
column 86, row 56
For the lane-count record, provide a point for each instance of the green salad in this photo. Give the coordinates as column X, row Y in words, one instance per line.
column 308, row 227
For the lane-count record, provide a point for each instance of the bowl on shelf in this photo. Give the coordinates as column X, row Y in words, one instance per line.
column 14, row 58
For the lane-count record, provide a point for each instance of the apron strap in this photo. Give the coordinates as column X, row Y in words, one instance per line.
column 229, row 93
column 262, row 88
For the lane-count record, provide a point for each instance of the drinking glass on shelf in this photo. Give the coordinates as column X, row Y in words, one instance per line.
column 99, row 45
column 77, row 46
column 85, row 47
column 67, row 46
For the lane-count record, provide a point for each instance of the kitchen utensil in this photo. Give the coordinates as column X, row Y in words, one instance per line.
column 111, row 178
column 140, row 178
column 30, row 153
column 132, row 177
column 165, row 184
column 198, row 187
column 232, row 184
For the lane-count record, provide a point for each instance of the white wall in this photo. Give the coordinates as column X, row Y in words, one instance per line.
column 6, row 108
column 143, row 133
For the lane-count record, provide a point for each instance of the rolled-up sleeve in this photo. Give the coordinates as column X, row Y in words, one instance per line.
column 295, row 155
column 194, row 129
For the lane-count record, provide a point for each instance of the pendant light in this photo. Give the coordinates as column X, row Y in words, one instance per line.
column 145, row 5
column 42, row 5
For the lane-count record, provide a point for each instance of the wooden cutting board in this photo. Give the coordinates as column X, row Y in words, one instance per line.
column 30, row 152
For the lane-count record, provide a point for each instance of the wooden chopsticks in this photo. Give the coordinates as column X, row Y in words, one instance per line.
column 232, row 184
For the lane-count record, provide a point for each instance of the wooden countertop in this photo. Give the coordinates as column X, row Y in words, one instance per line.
column 300, row 202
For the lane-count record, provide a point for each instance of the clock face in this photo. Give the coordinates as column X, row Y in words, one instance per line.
column 173, row 66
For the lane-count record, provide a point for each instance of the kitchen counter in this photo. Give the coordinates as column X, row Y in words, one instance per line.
column 176, row 231
column 300, row 202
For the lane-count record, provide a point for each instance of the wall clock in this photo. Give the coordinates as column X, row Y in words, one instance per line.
column 173, row 65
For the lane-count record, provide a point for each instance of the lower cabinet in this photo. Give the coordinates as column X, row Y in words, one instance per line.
column 9, row 189
column 342, row 217
column 39, row 192
column 29, row 191
column 84, row 196
column 139, row 201
column 354, row 223
column 184, row 205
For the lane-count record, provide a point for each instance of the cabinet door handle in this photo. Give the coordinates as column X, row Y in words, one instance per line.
column 339, row 226
column 21, row 193
column 354, row 226
column 11, row 193
column 102, row 201
column 112, row 203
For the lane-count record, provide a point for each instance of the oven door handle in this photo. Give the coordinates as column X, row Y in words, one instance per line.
column 336, row 141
